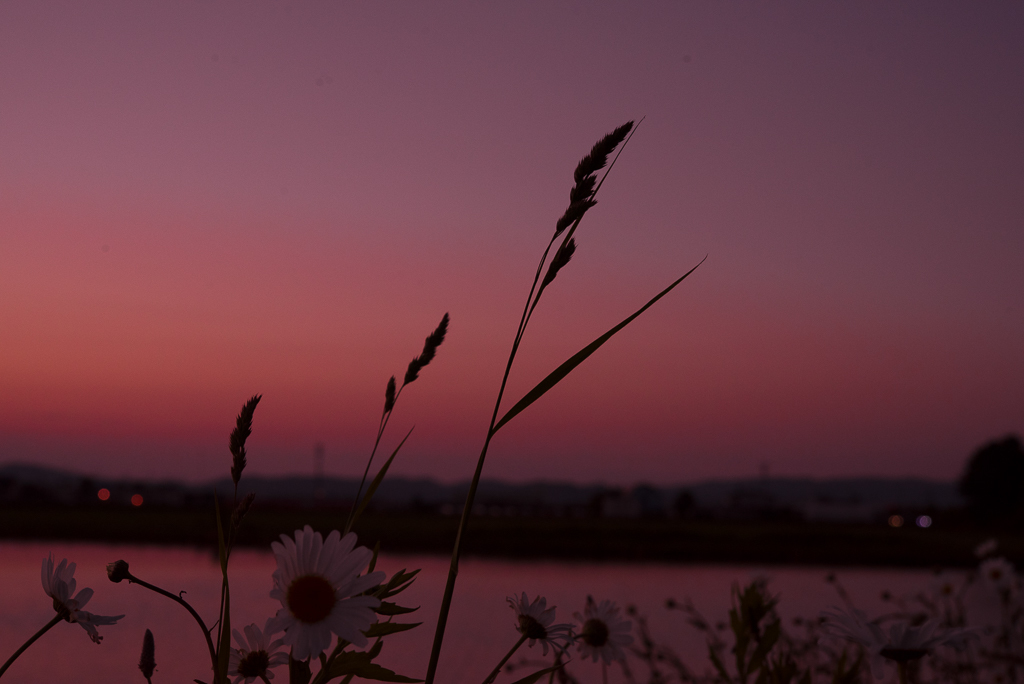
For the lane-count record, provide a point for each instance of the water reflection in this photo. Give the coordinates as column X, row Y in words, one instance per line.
column 480, row 631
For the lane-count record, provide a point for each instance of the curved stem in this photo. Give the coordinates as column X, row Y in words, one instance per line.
column 183, row 602
column 56, row 618
column 497, row 670
column 384, row 418
column 453, row 570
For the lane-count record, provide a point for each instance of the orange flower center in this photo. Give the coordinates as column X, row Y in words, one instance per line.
column 311, row 598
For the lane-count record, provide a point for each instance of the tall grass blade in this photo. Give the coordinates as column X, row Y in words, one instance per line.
column 579, row 357
column 373, row 485
column 224, row 642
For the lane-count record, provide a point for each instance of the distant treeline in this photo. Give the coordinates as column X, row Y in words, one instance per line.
column 851, row 500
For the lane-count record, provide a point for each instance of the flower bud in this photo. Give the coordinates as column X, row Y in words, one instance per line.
column 118, row 570
column 147, row 662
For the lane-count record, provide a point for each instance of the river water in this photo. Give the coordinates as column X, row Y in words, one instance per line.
column 480, row 629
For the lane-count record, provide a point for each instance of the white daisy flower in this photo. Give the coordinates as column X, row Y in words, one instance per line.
column 317, row 583
column 534, row 622
column 255, row 654
column 944, row 585
column 59, row 584
column 604, row 633
column 902, row 644
column 998, row 572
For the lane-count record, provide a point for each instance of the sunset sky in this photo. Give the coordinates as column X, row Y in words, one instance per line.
column 200, row 201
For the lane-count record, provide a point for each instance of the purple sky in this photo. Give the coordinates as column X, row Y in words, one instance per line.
column 200, row 201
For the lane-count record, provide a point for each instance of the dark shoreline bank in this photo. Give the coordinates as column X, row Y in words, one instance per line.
column 587, row 539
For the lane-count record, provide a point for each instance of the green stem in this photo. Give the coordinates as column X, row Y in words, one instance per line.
column 183, row 602
column 56, row 618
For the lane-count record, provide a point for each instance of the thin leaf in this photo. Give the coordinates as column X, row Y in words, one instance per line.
column 224, row 645
column 382, row 629
column 222, row 549
column 361, row 665
column 388, row 608
column 559, row 373
column 224, row 650
column 376, row 483
column 398, row 583
column 535, row 677
column 373, row 560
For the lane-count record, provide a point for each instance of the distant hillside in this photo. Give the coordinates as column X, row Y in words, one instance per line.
column 866, row 496
column 866, row 490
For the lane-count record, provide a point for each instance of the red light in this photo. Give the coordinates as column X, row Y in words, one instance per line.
column 136, row 499
column 103, row 494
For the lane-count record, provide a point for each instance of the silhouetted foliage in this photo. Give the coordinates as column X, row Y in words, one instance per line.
column 993, row 482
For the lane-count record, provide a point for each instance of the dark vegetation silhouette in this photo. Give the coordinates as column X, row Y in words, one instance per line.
column 993, row 481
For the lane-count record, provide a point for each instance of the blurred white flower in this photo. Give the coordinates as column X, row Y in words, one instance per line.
column 986, row 548
column 603, row 632
column 901, row 644
column 318, row 585
column 535, row 623
column 256, row 654
column 998, row 573
column 944, row 584
column 59, row 584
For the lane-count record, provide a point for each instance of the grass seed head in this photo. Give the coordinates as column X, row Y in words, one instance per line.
column 389, row 395
column 430, row 346
column 561, row 258
column 241, row 509
column 243, row 428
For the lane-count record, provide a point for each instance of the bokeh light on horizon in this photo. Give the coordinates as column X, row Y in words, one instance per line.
column 202, row 201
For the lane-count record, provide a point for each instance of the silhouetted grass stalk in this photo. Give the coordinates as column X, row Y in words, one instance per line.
column 430, row 345
column 453, row 571
column 581, row 199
